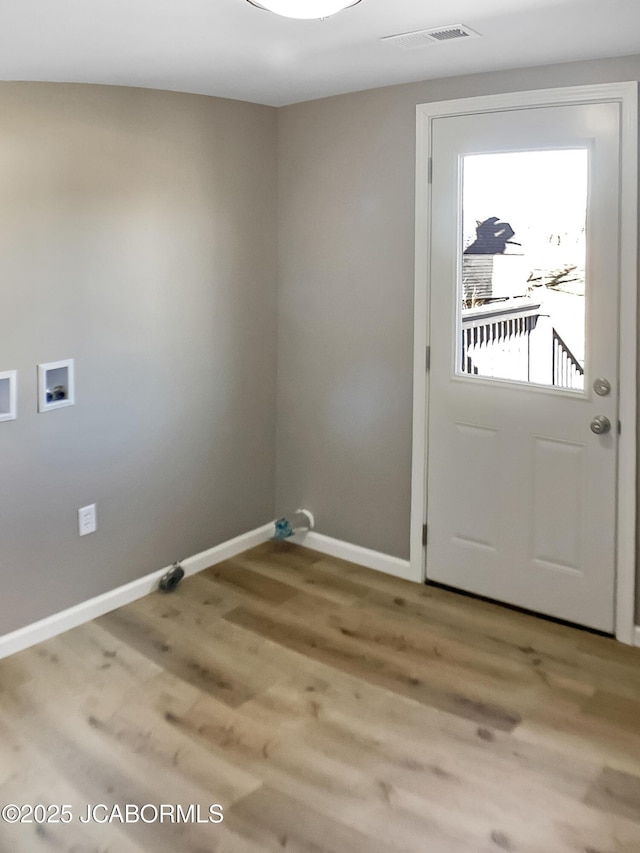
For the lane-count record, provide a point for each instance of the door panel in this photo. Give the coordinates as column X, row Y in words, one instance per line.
column 521, row 493
column 557, row 516
column 478, row 453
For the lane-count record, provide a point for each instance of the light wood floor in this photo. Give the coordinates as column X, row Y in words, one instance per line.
column 326, row 708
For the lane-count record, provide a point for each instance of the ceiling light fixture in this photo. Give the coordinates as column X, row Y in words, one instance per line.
column 307, row 9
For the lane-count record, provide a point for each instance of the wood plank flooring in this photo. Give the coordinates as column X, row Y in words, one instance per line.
column 328, row 709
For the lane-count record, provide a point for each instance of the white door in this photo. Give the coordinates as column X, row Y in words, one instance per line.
column 521, row 488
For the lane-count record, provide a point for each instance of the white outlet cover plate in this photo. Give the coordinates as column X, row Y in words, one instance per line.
column 87, row 522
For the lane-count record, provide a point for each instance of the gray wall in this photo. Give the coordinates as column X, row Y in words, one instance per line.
column 346, row 267
column 137, row 235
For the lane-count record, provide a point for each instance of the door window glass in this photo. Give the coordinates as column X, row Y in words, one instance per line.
column 522, row 283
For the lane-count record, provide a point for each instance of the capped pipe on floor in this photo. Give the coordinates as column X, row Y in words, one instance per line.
column 284, row 529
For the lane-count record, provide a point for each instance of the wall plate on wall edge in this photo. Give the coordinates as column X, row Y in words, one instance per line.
column 8, row 395
column 56, row 385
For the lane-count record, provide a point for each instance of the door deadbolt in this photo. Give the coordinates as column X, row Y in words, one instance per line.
column 600, row 425
column 602, row 387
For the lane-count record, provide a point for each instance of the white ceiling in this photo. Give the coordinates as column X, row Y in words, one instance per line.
column 231, row 49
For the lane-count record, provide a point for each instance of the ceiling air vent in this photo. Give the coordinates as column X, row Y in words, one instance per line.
column 410, row 41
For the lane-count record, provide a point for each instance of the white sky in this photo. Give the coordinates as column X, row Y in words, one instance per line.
column 536, row 192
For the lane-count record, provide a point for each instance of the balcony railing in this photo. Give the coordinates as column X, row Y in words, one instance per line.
column 566, row 369
column 500, row 340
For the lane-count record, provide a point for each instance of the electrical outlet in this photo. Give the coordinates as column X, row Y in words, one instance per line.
column 87, row 520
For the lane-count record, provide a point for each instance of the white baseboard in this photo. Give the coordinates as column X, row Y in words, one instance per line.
column 637, row 636
column 43, row 630
column 356, row 554
column 28, row 636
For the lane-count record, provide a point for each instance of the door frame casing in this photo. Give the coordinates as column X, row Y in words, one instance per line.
column 626, row 94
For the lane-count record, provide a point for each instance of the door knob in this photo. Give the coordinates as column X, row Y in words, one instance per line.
column 602, row 387
column 600, row 425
